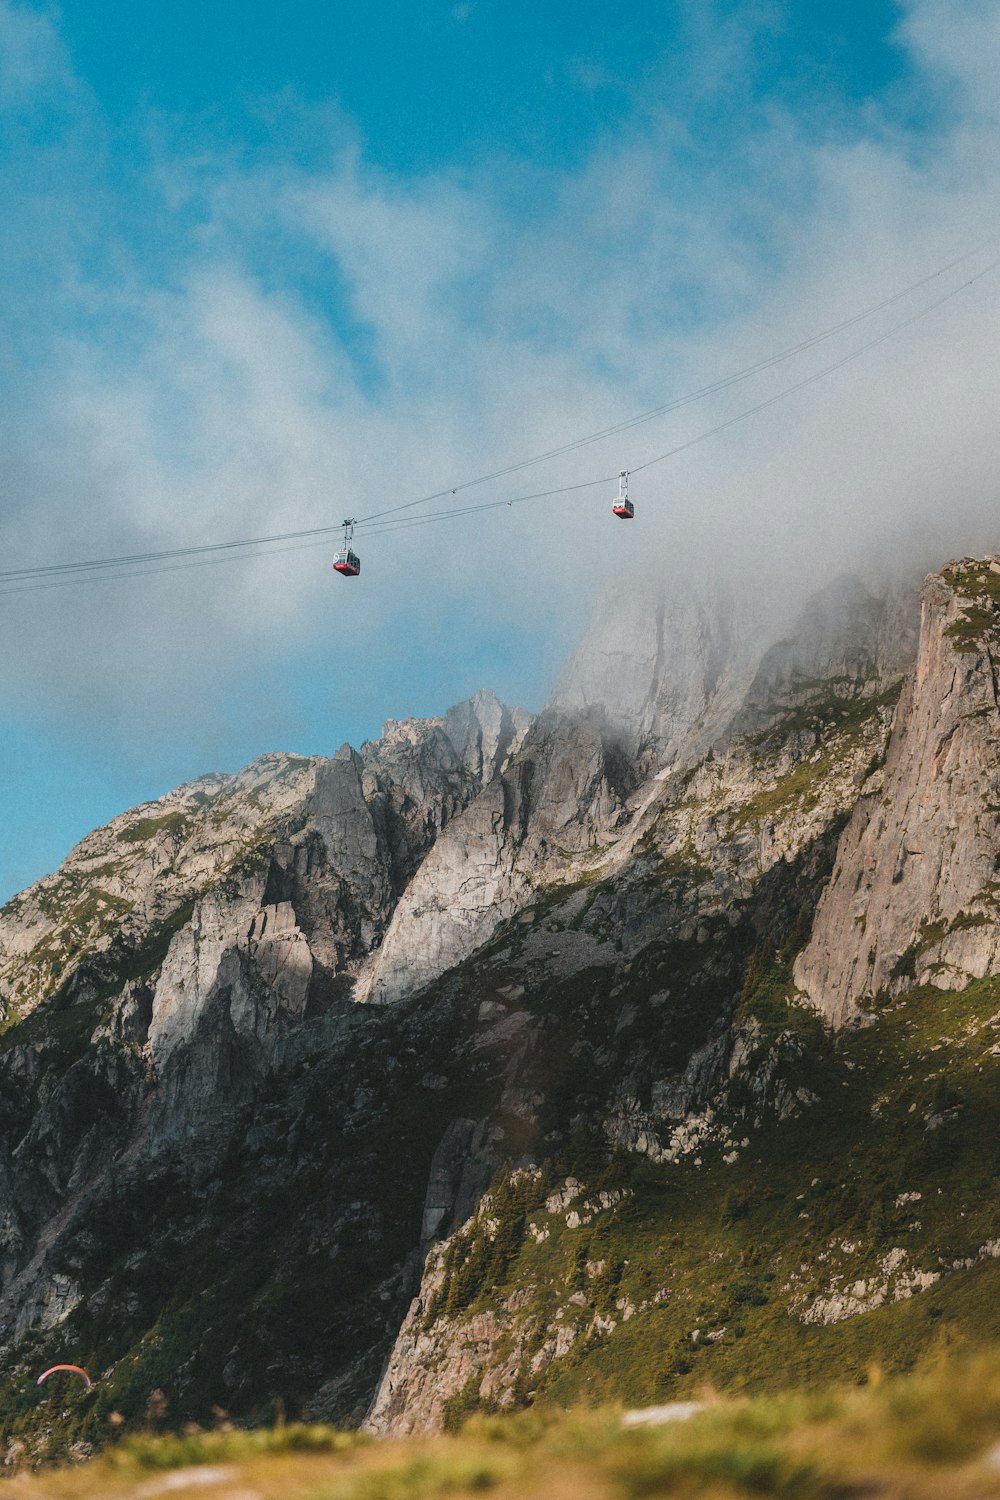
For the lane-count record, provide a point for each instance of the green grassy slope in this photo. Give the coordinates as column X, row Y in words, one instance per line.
column 708, row 1268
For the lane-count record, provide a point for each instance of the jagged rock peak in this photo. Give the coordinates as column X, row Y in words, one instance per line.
column 485, row 733
column 557, row 797
column 914, row 893
column 482, row 732
column 367, row 818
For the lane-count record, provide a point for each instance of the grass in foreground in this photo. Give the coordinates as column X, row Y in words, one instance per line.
column 930, row 1434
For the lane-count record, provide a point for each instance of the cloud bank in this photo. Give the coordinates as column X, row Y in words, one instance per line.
column 200, row 346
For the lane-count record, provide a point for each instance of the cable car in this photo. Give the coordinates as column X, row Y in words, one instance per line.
column 623, row 507
column 347, row 561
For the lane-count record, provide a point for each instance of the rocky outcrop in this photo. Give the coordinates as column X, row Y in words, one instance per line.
column 337, row 838
column 437, row 1357
column 559, row 797
column 914, row 892
column 894, row 1280
column 113, row 904
column 267, row 949
column 652, row 688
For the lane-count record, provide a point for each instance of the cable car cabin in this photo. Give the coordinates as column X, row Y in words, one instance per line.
column 348, row 563
column 622, row 506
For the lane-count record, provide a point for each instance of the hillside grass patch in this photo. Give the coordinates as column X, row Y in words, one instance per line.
column 144, row 829
column 913, row 1437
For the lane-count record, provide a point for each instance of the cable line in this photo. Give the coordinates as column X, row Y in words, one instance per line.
column 697, row 395
column 33, row 586
column 27, row 579
column 819, row 374
column 730, row 421
column 164, row 554
column 28, row 582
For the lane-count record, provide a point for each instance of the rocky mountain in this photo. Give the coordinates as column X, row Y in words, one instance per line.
column 509, row 1060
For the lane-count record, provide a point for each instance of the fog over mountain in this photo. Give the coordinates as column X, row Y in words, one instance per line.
column 180, row 396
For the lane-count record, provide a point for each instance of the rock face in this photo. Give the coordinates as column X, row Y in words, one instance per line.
column 339, row 839
column 222, row 1174
column 913, row 895
column 119, row 896
column 282, row 939
column 560, row 795
column 846, row 637
column 667, row 675
column 651, row 687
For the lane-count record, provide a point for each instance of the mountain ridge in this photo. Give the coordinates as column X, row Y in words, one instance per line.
column 577, row 936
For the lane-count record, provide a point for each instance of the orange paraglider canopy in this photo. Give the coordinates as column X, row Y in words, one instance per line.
column 71, row 1369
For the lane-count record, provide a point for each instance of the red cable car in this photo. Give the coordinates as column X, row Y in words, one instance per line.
column 346, row 561
column 623, row 507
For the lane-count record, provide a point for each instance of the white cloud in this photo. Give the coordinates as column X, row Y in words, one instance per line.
column 32, row 58
column 201, row 396
column 957, row 44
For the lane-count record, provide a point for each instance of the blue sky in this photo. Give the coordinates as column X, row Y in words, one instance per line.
column 434, row 84
column 265, row 265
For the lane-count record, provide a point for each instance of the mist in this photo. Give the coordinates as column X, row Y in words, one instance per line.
column 203, row 347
